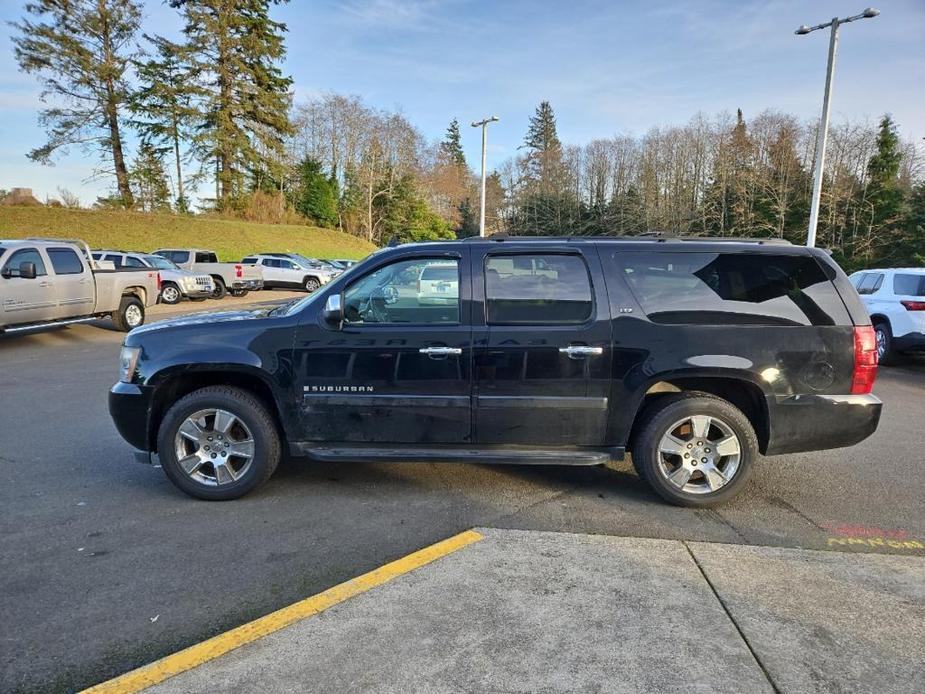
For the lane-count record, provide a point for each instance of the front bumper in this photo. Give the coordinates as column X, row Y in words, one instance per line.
column 198, row 293
column 130, row 406
column 910, row 342
column 820, row 422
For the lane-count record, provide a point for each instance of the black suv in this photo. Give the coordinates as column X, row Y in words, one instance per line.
column 694, row 355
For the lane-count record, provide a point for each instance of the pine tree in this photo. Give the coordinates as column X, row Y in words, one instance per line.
column 164, row 105
column 235, row 47
column 317, row 197
column 82, row 50
column 883, row 190
column 149, row 180
column 451, row 147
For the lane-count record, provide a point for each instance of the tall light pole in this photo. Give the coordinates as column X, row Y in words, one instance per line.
column 826, row 100
column 484, row 125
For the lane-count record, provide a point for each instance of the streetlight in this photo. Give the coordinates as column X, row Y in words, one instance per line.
column 824, row 124
column 484, row 125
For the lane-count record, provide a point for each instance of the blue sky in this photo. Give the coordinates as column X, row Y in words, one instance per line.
column 607, row 67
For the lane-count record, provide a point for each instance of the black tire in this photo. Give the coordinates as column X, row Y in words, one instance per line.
column 171, row 294
column 219, row 291
column 239, row 292
column 197, row 299
column 311, row 284
column 251, row 411
column 665, row 412
column 126, row 316
column 886, row 355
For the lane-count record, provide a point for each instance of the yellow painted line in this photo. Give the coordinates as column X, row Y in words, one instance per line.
column 203, row 652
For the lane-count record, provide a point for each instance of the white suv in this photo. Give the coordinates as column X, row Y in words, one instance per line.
column 895, row 300
column 288, row 272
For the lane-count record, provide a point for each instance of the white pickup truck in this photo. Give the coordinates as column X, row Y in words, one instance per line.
column 47, row 282
column 236, row 278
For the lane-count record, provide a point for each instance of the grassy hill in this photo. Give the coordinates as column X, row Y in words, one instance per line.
column 135, row 231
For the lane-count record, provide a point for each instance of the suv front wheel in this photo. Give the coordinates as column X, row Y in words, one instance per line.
column 218, row 443
column 694, row 449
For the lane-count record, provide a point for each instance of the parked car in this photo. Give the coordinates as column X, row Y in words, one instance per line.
column 176, row 284
column 895, row 300
column 344, row 263
column 314, row 263
column 693, row 355
column 235, row 278
column 438, row 284
column 288, row 272
column 46, row 282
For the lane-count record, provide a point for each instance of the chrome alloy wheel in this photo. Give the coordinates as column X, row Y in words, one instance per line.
column 699, row 454
column 170, row 294
column 881, row 341
column 133, row 316
column 214, row 447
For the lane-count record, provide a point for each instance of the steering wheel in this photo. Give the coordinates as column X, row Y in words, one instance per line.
column 389, row 294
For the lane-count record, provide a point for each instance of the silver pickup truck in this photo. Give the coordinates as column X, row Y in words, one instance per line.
column 236, row 278
column 47, row 282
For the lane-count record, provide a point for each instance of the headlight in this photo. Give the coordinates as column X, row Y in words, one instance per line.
column 128, row 360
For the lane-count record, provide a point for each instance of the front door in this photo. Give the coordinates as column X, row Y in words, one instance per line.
column 542, row 345
column 398, row 369
column 26, row 300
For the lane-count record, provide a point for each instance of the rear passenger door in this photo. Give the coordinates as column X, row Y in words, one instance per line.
column 74, row 287
column 542, row 346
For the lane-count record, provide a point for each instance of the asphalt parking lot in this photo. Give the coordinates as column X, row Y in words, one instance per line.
column 107, row 566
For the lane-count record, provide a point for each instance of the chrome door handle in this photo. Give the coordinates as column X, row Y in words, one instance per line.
column 440, row 351
column 581, row 351
column 44, row 284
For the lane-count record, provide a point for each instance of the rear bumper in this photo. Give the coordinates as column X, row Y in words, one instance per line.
column 130, row 406
column 249, row 285
column 819, row 422
column 910, row 342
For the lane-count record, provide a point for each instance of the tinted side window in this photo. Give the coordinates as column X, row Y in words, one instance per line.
column 65, row 261
column 206, row 258
column 537, row 289
column 175, row 256
column 116, row 260
column 24, row 255
column 732, row 288
column 395, row 294
column 909, row 285
column 133, row 262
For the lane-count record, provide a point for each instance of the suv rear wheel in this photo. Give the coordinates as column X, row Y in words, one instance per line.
column 694, row 449
column 311, row 284
column 218, row 443
column 885, row 353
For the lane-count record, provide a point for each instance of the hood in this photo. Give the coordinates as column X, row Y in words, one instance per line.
column 196, row 319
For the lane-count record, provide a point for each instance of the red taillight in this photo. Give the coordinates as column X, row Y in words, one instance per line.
column 238, row 271
column 914, row 305
column 865, row 360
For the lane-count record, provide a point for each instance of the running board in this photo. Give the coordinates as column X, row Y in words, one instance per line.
column 49, row 324
column 484, row 456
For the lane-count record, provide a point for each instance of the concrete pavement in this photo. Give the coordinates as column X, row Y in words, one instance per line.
column 523, row 611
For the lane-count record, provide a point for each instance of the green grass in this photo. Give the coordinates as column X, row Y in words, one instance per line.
column 136, row 231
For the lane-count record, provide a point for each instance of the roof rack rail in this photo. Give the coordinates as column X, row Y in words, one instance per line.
column 656, row 236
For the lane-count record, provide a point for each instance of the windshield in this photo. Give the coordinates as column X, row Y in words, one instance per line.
column 909, row 285
column 296, row 305
column 160, row 263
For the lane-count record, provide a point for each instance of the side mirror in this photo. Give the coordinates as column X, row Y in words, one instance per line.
column 27, row 270
column 333, row 313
